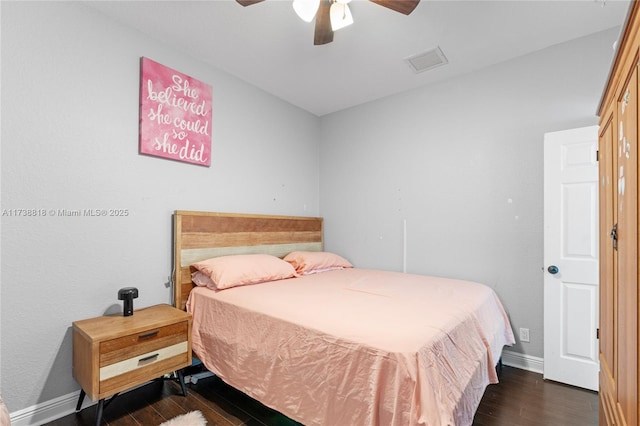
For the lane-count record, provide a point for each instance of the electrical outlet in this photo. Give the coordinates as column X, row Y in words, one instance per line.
column 524, row 334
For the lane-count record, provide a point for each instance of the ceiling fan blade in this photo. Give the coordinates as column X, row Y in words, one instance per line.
column 248, row 2
column 323, row 33
column 402, row 6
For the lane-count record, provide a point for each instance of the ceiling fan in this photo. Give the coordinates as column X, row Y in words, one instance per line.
column 332, row 15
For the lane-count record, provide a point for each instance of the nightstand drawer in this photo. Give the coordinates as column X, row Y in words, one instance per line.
column 133, row 345
column 143, row 360
column 145, row 365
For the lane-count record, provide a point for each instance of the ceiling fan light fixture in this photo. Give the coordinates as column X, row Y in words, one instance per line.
column 340, row 16
column 306, row 9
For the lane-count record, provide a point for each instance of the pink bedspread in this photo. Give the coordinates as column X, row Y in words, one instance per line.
column 355, row 347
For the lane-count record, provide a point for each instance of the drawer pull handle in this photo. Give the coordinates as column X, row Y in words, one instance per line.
column 147, row 335
column 148, row 358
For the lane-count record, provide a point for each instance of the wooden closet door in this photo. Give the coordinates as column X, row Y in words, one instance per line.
column 626, row 370
column 607, row 394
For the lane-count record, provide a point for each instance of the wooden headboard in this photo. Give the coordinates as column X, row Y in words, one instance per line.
column 203, row 235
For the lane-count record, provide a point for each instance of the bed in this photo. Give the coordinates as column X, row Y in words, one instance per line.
column 344, row 345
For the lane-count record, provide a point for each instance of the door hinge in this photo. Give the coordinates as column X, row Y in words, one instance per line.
column 597, row 333
column 597, row 156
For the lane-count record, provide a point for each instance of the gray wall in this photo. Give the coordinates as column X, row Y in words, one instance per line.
column 462, row 164
column 70, row 99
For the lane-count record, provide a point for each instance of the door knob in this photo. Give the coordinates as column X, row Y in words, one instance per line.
column 553, row 269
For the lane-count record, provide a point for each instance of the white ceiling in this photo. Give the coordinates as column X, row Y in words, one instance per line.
column 267, row 45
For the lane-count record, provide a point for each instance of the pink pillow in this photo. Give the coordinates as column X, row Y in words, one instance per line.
column 231, row 271
column 310, row 262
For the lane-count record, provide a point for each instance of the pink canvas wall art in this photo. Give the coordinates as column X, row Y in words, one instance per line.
column 175, row 115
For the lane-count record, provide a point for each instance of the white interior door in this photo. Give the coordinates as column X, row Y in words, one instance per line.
column 571, row 257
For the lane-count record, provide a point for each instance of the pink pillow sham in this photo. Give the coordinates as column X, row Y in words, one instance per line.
column 311, row 262
column 223, row 272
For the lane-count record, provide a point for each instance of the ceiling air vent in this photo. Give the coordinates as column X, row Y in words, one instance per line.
column 426, row 60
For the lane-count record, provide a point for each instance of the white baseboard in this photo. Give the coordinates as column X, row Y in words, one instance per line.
column 523, row 361
column 47, row 411
column 53, row 409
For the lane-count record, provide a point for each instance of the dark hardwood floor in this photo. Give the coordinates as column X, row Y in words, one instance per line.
column 521, row 398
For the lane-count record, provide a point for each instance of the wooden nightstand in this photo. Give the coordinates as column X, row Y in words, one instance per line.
column 114, row 353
